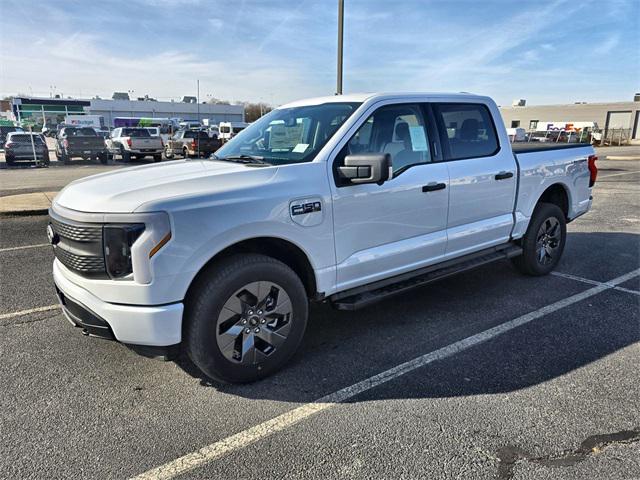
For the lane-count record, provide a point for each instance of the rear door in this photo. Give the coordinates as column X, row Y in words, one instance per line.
column 483, row 177
column 389, row 229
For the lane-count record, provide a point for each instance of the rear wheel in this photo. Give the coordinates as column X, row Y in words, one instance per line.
column 157, row 158
column 64, row 158
column 544, row 241
column 126, row 156
column 245, row 318
column 103, row 158
column 10, row 160
column 185, row 153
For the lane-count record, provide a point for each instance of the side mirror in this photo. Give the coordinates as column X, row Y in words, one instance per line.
column 366, row 168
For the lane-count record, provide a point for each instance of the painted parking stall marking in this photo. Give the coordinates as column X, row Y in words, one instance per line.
column 242, row 439
column 594, row 282
column 24, row 247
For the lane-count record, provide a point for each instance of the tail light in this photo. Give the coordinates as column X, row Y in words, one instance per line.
column 129, row 142
column 8, row 145
column 65, row 143
column 193, row 145
column 593, row 169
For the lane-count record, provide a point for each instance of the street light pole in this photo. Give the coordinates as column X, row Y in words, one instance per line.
column 198, row 110
column 340, row 35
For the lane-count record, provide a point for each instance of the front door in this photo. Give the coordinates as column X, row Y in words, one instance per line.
column 388, row 229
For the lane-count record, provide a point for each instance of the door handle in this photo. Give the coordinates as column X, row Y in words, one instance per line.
column 433, row 186
column 503, row 175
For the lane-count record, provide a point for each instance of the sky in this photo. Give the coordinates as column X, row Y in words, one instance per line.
column 275, row 51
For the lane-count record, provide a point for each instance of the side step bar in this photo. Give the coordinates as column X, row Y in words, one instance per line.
column 360, row 297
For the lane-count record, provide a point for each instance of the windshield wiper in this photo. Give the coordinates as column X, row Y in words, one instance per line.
column 250, row 159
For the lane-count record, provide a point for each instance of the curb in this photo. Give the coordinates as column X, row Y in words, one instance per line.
column 26, row 204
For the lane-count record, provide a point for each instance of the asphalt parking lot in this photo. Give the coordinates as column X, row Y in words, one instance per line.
column 488, row 374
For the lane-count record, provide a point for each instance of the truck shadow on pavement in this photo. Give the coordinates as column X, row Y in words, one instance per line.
column 343, row 348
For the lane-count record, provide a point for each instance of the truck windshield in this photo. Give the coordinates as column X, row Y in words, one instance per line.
column 289, row 135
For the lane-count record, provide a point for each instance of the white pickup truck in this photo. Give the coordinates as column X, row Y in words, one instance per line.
column 133, row 142
column 346, row 199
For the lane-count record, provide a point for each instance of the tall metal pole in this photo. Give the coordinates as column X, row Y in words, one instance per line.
column 340, row 35
column 198, row 109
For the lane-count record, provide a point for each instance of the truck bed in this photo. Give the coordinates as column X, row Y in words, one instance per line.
column 544, row 146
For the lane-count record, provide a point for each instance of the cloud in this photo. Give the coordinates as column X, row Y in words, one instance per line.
column 607, row 45
column 285, row 49
column 216, row 23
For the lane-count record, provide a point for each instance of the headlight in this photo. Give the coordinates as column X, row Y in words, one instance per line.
column 118, row 240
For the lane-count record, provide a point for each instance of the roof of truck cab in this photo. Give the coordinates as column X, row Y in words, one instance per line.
column 362, row 97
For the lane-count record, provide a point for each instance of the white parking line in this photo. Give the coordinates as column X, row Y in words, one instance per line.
column 594, row 282
column 4, row 316
column 24, row 247
column 240, row 440
column 617, row 174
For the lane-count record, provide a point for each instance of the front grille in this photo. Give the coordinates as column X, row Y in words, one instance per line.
column 78, row 246
column 83, row 233
column 80, row 263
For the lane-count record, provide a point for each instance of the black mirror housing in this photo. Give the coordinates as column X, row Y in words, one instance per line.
column 366, row 168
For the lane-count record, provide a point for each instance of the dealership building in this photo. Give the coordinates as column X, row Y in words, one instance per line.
column 618, row 117
column 52, row 111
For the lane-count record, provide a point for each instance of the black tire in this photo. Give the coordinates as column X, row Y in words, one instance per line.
column 157, row 158
column 10, row 160
column 204, row 305
column 542, row 251
column 185, row 153
column 64, row 158
column 126, row 156
column 103, row 158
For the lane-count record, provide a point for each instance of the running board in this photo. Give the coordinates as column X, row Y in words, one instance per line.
column 360, row 297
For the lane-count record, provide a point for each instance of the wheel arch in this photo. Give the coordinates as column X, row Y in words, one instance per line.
column 283, row 250
column 557, row 194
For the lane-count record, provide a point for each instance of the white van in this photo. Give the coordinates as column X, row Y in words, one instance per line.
column 228, row 130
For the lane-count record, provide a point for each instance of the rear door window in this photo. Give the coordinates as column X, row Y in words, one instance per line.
column 468, row 129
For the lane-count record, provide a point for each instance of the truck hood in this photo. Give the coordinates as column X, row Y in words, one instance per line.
column 140, row 188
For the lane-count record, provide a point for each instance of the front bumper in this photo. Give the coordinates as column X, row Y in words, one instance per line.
column 158, row 325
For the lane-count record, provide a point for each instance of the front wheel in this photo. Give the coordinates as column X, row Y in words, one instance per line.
column 544, row 241
column 246, row 317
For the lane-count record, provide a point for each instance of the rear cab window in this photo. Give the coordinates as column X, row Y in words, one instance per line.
column 26, row 138
column 467, row 130
column 135, row 132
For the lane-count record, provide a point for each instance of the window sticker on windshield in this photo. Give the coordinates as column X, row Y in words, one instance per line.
column 300, row 148
column 418, row 139
column 284, row 136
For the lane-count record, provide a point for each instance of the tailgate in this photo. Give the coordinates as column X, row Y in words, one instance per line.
column 146, row 143
column 85, row 143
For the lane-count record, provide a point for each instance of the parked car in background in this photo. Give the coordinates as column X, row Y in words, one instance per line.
column 213, row 131
column 190, row 125
column 21, row 146
column 191, row 143
column 345, row 199
column 80, row 142
column 228, row 130
column 129, row 143
column 103, row 132
column 5, row 130
column 153, row 131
